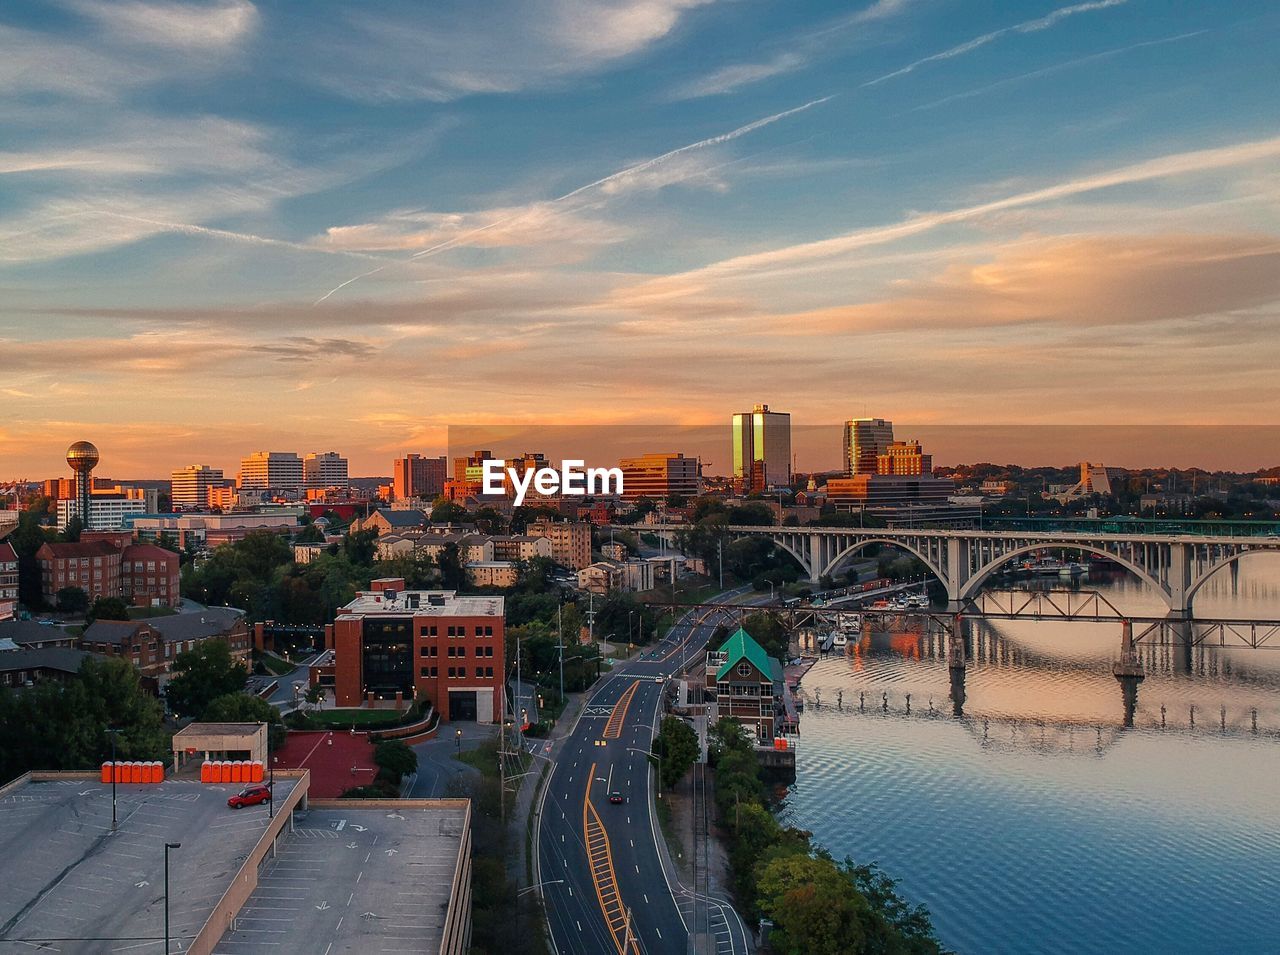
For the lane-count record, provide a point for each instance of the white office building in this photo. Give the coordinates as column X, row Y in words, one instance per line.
column 105, row 513
column 189, row 487
column 324, row 469
column 281, row 470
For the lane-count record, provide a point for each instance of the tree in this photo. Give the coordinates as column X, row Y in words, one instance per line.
column 815, row 910
column 109, row 608
column 767, row 630
column 73, row 529
column 72, row 600
column 394, row 759
column 445, row 511
column 361, row 546
column 488, row 520
column 240, row 707
column 677, row 744
column 311, row 534
column 453, row 576
column 314, row 695
column 27, row 538
column 202, row 675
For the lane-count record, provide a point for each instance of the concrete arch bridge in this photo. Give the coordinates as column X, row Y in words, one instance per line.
column 1175, row 566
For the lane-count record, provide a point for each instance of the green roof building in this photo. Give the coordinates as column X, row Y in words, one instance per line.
column 748, row 684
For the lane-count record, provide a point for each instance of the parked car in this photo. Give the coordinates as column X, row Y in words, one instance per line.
column 250, row 796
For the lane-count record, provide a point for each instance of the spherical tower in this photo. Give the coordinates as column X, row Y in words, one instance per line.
column 83, row 458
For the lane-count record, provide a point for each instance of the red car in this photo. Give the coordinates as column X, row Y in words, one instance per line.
column 250, row 796
column 616, row 797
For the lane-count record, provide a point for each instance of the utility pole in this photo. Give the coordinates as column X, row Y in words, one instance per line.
column 720, row 547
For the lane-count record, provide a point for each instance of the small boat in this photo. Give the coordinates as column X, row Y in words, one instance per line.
column 839, row 638
column 881, row 604
column 918, row 601
column 1073, row 570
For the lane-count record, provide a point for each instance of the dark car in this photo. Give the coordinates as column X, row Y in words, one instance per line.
column 250, row 796
column 616, row 797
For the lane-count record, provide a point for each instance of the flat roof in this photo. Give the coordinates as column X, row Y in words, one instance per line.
column 361, row 879
column 65, row 875
column 448, row 604
column 220, row 729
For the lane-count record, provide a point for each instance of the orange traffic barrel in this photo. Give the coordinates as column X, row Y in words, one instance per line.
column 256, row 776
column 106, row 771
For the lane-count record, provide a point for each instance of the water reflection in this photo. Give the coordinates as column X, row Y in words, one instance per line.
column 1067, row 791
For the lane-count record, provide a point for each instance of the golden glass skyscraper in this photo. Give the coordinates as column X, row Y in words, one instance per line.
column 761, row 449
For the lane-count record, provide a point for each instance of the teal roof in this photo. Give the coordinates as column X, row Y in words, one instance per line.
column 741, row 645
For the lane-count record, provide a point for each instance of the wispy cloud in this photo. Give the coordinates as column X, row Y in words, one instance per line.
column 214, row 25
column 804, row 50
column 443, row 52
column 1026, row 26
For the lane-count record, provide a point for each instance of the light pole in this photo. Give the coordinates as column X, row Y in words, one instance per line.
column 113, row 733
column 167, row 847
column 457, row 738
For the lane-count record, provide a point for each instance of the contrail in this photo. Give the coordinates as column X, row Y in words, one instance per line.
column 1056, row 68
column 1026, row 26
column 631, row 170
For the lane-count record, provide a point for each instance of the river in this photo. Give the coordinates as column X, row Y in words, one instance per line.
column 1037, row 821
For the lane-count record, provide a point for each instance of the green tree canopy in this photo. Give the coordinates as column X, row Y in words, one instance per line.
column 677, row 744
column 72, row 600
column 109, row 608
column 240, row 707
column 202, row 675
column 394, row 759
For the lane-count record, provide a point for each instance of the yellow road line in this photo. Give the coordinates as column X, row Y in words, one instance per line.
column 613, row 728
column 603, row 878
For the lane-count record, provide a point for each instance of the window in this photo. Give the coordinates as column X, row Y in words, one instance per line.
column 462, row 673
column 433, row 631
column 479, row 631
column 488, row 631
column 453, row 672
column 488, row 671
column 453, row 631
column 744, row 668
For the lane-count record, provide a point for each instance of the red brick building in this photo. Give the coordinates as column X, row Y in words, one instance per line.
column 8, row 580
column 393, row 644
column 142, row 574
column 152, row 645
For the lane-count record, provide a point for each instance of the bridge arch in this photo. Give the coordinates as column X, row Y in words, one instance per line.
column 834, row 564
column 799, row 558
column 984, row 573
column 1210, row 572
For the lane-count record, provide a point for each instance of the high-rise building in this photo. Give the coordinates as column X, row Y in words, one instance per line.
column 865, row 439
column 761, row 449
column 660, row 476
column 324, row 469
column 415, row 476
column 190, row 485
column 570, row 541
column 106, row 512
column 280, row 470
column 904, row 457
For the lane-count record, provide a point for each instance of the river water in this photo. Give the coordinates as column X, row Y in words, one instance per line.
column 1037, row 821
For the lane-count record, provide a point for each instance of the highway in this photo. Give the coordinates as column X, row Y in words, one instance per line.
column 598, row 864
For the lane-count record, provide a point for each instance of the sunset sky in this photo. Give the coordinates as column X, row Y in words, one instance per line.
column 227, row 226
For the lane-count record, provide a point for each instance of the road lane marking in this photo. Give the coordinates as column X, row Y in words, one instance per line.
column 603, row 877
column 613, row 728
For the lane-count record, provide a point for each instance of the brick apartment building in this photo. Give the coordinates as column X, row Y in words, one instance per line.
column 747, row 685
column 142, row 574
column 8, row 581
column 570, row 541
column 393, row 644
column 152, row 645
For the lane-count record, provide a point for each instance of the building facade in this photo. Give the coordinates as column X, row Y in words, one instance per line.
column 904, row 457
column 660, row 476
column 153, row 645
column 8, row 581
column 416, row 477
column 761, row 442
column 141, row 574
column 570, row 541
column 865, row 439
column 105, row 513
column 747, row 685
column 279, row 470
column 321, row 469
column 393, row 644
column 189, row 487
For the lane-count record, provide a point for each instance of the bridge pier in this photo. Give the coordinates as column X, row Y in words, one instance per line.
column 1129, row 666
column 956, row 660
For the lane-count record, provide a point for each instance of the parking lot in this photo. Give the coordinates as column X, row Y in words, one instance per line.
column 359, row 880
column 69, row 884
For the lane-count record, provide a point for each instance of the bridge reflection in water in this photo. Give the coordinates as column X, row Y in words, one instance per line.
column 982, row 643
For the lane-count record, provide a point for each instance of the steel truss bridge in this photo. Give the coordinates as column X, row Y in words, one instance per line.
column 1175, row 566
column 1075, row 605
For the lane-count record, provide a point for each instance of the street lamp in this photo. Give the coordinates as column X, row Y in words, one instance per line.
column 113, row 733
column 167, row 847
column 457, row 736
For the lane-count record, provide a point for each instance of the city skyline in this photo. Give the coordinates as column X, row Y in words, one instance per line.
column 615, row 214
